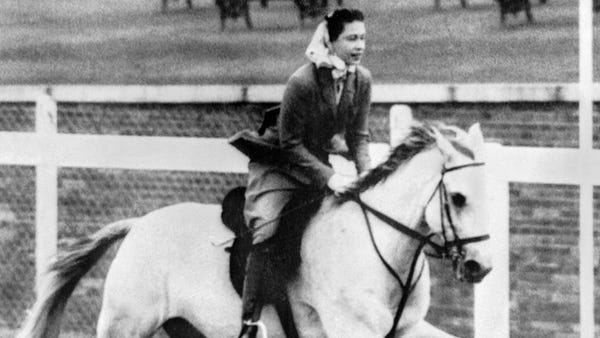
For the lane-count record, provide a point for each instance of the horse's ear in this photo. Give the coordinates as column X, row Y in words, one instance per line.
column 476, row 138
column 443, row 144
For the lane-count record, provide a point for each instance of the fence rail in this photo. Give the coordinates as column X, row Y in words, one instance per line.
column 382, row 93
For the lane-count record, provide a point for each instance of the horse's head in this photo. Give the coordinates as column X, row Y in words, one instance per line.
column 436, row 175
column 456, row 211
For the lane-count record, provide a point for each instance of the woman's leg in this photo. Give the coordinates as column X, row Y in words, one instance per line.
column 267, row 193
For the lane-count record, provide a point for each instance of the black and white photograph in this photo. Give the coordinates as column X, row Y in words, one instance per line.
column 299, row 168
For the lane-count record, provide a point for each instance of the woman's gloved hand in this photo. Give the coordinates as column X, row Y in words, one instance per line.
column 340, row 183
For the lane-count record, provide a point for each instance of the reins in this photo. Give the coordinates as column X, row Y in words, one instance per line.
column 406, row 286
column 449, row 249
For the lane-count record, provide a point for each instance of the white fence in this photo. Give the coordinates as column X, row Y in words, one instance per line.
column 48, row 150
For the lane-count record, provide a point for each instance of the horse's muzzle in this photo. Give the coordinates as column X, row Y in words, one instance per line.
column 470, row 271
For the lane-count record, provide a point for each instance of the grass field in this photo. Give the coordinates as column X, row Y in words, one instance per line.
column 132, row 42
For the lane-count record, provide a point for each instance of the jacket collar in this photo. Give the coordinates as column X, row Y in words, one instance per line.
column 326, row 83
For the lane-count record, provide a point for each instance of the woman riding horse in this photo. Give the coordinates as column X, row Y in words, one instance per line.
column 362, row 271
column 324, row 111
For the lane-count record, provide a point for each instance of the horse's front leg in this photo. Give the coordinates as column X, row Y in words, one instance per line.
column 355, row 315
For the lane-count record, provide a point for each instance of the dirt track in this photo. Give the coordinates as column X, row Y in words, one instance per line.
column 131, row 42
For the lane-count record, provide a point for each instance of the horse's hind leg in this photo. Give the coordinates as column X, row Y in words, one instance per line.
column 117, row 325
column 129, row 310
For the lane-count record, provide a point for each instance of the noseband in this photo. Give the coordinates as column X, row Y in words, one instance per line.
column 450, row 249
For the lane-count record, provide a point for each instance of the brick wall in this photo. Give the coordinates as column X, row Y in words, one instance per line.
column 543, row 220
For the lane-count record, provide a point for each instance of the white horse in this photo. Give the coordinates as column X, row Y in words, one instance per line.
column 361, row 258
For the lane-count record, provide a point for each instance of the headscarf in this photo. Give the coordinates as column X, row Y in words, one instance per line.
column 319, row 52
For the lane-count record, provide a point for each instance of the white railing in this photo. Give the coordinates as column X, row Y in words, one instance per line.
column 382, row 93
column 48, row 150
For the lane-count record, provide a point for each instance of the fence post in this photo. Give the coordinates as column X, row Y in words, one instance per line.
column 46, row 199
column 587, row 295
column 492, row 295
column 400, row 119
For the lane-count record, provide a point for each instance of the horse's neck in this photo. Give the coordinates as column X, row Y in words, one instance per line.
column 404, row 194
column 337, row 254
column 403, row 197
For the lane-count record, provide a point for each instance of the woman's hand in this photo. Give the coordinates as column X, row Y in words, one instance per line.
column 340, row 183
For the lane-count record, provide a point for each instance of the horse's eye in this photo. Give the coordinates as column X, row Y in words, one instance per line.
column 459, row 200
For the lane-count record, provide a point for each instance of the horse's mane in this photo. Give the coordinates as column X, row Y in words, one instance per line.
column 288, row 241
column 420, row 138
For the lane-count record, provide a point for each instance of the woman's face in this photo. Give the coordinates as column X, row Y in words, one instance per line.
column 350, row 45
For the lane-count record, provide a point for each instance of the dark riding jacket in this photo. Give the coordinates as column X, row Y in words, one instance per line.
column 310, row 125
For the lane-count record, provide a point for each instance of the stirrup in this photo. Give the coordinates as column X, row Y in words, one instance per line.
column 262, row 328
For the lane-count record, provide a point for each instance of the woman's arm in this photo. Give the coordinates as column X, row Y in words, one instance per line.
column 291, row 124
column 358, row 136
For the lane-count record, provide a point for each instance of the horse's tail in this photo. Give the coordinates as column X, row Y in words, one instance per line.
column 63, row 274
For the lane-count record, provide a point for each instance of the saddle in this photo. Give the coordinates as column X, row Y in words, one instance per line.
column 283, row 248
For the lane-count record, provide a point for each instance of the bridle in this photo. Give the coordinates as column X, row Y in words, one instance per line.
column 449, row 249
